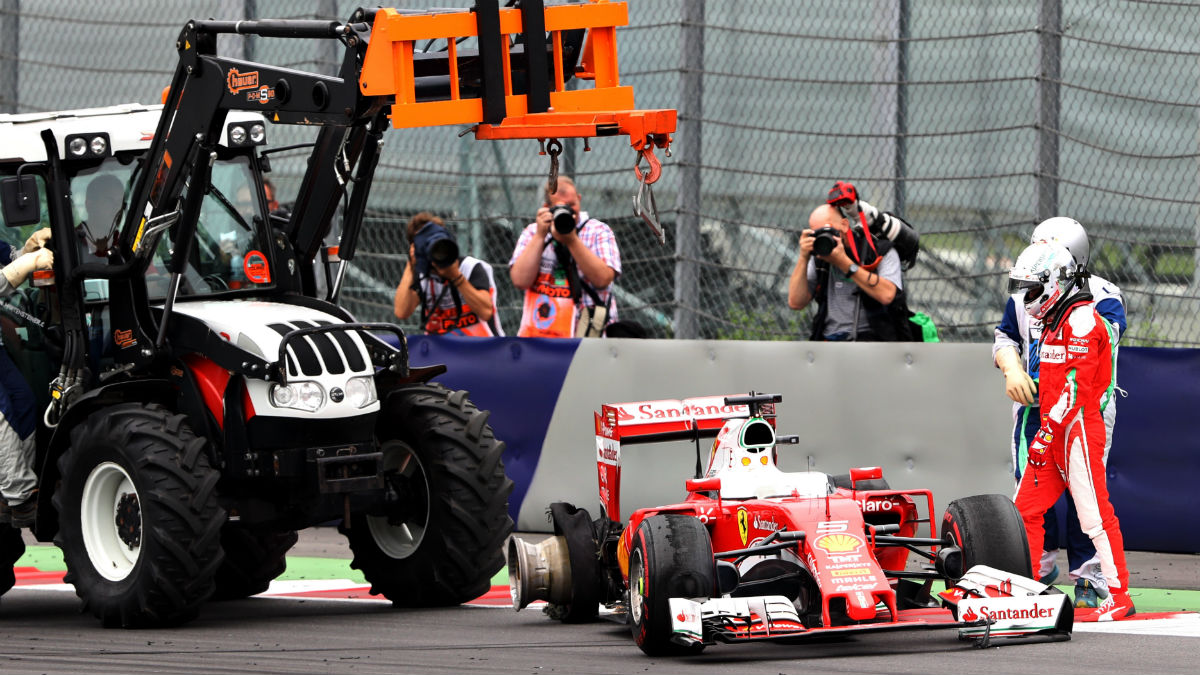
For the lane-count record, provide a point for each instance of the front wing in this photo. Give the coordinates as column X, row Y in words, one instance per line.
column 1033, row 611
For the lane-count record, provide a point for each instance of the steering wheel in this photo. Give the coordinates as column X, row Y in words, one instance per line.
column 215, row 282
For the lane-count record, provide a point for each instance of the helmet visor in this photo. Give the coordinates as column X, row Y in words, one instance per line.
column 1031, row 289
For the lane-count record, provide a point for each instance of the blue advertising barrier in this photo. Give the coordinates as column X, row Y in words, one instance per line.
column 1153, row 471
column 1154, row 465
column 517, row 379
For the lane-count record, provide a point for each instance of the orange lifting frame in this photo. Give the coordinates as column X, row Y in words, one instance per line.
column 388, row 71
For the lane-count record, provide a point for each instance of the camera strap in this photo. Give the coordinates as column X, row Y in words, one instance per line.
column 426, row 310
column 574, row 282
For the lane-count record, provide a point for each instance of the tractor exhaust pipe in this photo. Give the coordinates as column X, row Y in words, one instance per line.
column 540, row 571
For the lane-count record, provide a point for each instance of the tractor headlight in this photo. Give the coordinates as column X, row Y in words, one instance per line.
column 360, row 391
column 308, row 396
column 237, row 135
column 87, row 146
column 257, row 133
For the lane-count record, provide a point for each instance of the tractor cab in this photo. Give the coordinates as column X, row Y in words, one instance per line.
column 97, row 153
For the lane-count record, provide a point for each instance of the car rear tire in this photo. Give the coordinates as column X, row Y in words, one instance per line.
column 139, row 522
column 989, row 530
column 441, row 537
column 672, row 557
column 253, row 558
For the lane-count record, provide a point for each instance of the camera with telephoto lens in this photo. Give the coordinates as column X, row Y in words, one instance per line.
column 435, row 246
column 825, row 240
column 564, row 218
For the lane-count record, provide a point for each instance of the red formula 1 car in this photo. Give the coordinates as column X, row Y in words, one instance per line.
column 756, row 553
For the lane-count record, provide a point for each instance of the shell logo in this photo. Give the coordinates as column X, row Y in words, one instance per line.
column 839, row 543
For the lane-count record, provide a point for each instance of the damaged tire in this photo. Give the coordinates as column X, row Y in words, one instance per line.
column 439, row 539
column 672, row 557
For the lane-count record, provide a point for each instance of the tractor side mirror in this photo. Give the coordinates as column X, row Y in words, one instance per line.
column 22, row 204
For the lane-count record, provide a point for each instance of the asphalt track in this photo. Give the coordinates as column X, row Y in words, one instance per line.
column 325, row 622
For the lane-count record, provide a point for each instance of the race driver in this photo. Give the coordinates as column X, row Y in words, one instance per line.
column 1077, row 354
column 1015, row 352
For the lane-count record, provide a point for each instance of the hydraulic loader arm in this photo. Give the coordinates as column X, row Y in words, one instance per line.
column 511, row 87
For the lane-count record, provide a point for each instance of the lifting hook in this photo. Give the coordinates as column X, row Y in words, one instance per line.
column 655, row 165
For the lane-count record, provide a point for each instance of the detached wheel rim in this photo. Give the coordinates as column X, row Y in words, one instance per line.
column 400, row 533
column 111, row 520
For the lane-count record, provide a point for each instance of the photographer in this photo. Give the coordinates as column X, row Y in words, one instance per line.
column 456, row 295
column 853, row 271
column 565, row 262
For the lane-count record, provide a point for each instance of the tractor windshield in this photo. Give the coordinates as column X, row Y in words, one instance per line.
column 227, row 254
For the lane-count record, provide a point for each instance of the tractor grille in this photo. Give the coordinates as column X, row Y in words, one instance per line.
column 319, row 353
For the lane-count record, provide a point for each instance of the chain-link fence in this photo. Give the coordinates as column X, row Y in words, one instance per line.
column 973, row 120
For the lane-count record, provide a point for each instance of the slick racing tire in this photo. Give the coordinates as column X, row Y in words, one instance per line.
column 989, row 530
column 439, row 539
column 672, row 557
column 253, row 558
column 139, row 523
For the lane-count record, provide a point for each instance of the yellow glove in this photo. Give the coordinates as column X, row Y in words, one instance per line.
column 17, row 271
column 36, row 240
column 1017, row 383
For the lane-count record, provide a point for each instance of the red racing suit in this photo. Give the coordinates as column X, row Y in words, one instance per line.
column 1077, row 367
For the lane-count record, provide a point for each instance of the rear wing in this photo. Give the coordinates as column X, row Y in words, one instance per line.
column 656, row 422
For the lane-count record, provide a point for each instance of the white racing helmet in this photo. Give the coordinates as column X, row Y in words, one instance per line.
column 1067, row 232
column 1043, row 276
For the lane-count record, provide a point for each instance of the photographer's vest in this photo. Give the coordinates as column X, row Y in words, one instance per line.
column 550, row 308
column 443, row 310
column 889, row 322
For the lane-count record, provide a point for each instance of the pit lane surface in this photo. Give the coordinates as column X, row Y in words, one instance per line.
column 42, row 631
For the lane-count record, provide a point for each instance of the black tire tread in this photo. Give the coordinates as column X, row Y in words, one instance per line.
column 180, row 515
column 992, row 531
column 679, row 560
column 253, row 558
column 469, row 521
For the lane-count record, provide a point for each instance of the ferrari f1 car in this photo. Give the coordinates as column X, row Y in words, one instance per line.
column 755, row 553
